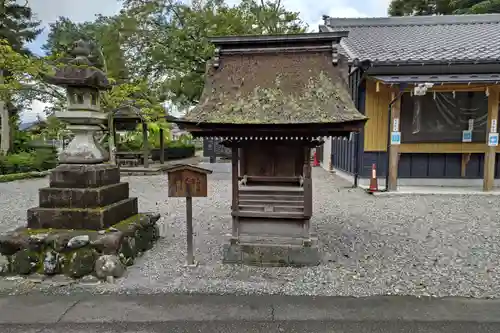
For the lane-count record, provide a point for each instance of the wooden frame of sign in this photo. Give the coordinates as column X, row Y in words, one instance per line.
column 188, row 181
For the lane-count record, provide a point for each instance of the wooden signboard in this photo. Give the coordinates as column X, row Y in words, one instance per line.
column 188, row 181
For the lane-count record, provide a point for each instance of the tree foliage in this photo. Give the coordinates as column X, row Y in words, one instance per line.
column 17, row 25
column 168, row 41
column 442, row 7
column 154, row 51
column 104, row 35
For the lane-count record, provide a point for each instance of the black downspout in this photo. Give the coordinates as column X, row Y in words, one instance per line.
column 357, row 148
column 356, row 159
column 389, row 125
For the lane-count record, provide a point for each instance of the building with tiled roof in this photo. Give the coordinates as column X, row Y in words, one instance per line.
column 445, row 137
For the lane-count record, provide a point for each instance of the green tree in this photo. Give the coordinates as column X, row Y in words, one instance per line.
column 168, row 41
column 109, row 55
column 104, row 35
column 17, row 24
column 475, row 6
column 442, row 7
column 17, row 27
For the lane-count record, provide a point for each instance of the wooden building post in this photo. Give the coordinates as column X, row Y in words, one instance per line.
column 235, row 191
column 392, row 168
column 112, row 138
column 162, row 146
column 490, row 151
column 145, row 144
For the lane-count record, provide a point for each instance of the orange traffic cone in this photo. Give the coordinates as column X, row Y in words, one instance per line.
column 315, row 162
column 373, row 180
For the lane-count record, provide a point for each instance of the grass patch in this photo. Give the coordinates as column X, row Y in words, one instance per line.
column 23, row 175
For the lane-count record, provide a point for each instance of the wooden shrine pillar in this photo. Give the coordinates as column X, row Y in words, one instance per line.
column 235, row 192
column 392, row 168
column 492, row 128
column 145, row 144
column 308, row 193
column 162, row 146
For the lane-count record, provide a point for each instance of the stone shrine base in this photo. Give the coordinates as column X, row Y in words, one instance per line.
column 77, row 253
column 270, row 255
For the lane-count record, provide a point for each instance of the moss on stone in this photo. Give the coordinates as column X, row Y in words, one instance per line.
column 128, row 251
column 138, row 237
column 131, row 220
column 31, row 232
column 79, row 262
column 25, row 262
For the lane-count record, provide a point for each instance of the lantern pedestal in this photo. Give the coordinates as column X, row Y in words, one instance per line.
column 83, row 196
column 84, row 148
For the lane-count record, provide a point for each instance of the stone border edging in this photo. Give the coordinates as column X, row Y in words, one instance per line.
column 23, row 175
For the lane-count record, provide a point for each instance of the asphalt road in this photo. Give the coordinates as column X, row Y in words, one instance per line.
column 305, row 326
column 245, row 314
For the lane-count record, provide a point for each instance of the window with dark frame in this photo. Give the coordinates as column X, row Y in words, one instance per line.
column 442, row 116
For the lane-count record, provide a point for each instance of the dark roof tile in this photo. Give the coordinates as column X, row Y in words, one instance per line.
column 453, row 38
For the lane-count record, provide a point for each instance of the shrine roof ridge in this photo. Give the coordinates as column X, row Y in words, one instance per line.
column 268, row 39
column 180, row 166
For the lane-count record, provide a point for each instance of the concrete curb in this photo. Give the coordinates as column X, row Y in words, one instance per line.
column 41, row 309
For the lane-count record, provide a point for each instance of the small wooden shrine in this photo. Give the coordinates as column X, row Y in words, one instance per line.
column 127, row 118
column 271, row 99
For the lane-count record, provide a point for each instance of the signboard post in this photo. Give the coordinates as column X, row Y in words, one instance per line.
column 213, row 149
column 188, row 181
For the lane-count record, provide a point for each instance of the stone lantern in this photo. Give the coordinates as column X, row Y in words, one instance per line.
column 84, row 192
column 83, row 115
column 86, row 223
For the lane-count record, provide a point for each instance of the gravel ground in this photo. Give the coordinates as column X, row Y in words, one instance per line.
column 405, row 245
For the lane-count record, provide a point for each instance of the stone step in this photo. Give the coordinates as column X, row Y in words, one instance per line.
column 253, row 201
column 276, row 209
column 272, row 190
column 82, row 218
column 271, row 197
column 51, row 197
column 270, row 215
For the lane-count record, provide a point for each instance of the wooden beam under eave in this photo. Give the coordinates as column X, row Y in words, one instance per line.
column 394, row 149
column 490, row 151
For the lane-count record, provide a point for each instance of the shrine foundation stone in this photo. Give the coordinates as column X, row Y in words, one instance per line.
column 269, row 255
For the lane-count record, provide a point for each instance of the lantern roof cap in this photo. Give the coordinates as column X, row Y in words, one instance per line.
column 79, row 71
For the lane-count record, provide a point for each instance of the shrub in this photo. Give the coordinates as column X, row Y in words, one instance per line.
column 44, row 159
column 39, row 160
column 18, row 163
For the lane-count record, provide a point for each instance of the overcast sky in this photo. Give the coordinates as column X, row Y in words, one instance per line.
column 84, row 10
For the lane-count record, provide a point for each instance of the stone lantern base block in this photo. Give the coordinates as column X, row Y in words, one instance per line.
column 82, row 218
column 53, row 197
column 82, row 196
column 84, row 175
column 271, row 255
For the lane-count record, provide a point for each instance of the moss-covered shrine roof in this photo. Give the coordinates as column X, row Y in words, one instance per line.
column 275, row 88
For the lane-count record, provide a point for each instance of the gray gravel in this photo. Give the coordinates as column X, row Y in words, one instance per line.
column 405, row 245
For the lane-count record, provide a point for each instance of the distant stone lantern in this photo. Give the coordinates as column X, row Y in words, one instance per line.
column 84, row 117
